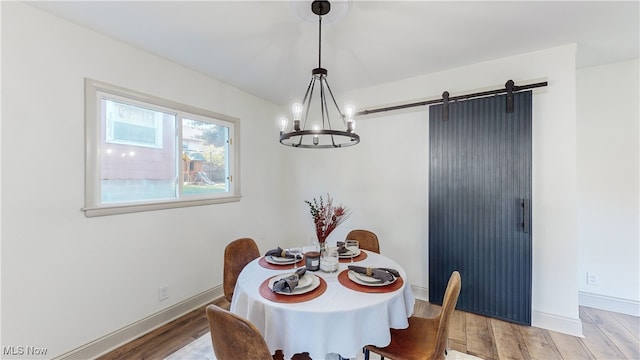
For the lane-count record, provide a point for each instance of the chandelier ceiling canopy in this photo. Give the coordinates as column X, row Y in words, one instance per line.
column 312, row 127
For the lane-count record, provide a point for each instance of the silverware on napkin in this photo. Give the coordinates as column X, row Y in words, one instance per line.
column 289, row 283
column 279, row 252
column 382, row 274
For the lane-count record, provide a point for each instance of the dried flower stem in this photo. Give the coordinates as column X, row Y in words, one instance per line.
column 326, row 217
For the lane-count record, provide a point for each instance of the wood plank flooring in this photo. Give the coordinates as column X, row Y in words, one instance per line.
column 607, row 336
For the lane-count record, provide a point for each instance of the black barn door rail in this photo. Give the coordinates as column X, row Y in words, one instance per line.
column 509, row 89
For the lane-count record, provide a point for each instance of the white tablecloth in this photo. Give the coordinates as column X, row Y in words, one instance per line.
column 339, row 321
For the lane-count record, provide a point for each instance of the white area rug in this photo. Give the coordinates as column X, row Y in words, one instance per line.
column 201, row 349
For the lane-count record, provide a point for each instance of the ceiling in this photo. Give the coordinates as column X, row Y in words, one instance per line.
column 268, row 48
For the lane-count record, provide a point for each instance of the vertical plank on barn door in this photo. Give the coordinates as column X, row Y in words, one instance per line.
column 479, row 205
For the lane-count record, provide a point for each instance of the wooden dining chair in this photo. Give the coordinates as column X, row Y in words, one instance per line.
column 234, row 337
column 425, row 338
column 237, row 255
column 366, row 239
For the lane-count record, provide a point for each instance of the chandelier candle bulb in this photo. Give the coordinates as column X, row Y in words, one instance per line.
column 350, row 126
column 316, row 138
column 348, row 112
column 296, row 109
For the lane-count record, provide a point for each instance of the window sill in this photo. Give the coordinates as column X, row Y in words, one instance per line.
column 126, row 209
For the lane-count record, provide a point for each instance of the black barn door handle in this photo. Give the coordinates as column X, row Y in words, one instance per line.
column 526, row 222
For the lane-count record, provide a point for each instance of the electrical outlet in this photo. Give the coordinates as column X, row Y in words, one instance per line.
column 592, row 279
column 163, row 293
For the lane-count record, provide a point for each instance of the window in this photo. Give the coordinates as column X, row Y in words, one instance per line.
column 128, row 124
column 146, row 153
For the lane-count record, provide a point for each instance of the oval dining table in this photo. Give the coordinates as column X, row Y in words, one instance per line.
column 340, row 316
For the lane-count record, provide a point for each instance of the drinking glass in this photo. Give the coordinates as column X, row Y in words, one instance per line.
column 352, row 246
column 296, row 251
column 329, row 259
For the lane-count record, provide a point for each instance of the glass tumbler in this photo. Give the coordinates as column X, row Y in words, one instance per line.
column 353, row 246
column 329, row 259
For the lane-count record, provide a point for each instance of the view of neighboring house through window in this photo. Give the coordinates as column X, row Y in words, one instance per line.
column 138, row 154
column 145, row 153
column 204, row 156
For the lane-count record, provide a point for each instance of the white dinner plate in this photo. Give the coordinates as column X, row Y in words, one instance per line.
column 365, row 280
column 307, row 283
column 349, row 254
column 277, row 260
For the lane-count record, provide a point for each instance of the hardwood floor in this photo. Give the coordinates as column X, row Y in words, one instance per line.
column 608, row 336
column 167, row 339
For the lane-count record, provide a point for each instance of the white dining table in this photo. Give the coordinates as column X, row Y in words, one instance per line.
column 339, row 321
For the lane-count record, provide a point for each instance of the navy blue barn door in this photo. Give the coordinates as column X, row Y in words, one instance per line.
column 479, row 205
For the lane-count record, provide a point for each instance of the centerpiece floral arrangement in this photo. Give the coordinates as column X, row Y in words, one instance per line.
column 326, row 217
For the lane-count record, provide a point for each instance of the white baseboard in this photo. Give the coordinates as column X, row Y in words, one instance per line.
column 562, row 324
column 131, row 332
column 538, row 319
column 420, row 293
column 609, row 303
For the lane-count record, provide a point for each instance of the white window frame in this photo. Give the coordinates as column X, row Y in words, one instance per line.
column 94, row 92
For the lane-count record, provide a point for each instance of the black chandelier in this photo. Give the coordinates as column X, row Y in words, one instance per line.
column 318, row 133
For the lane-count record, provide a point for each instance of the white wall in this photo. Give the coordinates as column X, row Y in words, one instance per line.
column 94, row 276
column 385, row 178
column 609, row 185
column 68, row 279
